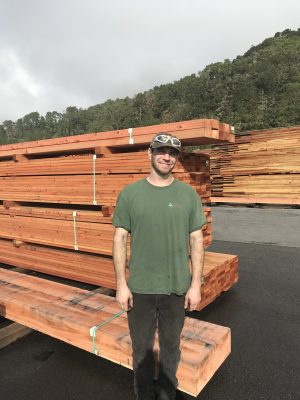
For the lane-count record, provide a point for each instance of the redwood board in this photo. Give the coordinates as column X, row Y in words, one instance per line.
column 68, row 314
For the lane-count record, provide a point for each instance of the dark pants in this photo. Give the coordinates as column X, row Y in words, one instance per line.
column 166, row 312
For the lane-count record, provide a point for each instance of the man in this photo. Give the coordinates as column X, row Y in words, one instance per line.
column 164, row 217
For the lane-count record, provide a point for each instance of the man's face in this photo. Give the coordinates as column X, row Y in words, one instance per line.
column 163, row 160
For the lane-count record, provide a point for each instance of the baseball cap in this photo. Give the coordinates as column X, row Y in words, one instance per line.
column 165, row 140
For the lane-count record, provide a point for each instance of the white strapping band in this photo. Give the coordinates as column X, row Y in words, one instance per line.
column 94, row 179
column 131, row 140
column 75, row 233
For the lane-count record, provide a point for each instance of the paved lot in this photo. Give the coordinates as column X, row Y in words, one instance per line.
column 278, row 226
column 262, row 310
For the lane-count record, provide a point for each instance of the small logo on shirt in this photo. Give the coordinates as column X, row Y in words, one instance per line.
column 174, row 205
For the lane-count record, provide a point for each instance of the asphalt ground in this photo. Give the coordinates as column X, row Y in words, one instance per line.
column 269, row 225
column 262, row 310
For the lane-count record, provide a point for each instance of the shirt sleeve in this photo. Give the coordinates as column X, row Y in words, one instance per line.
column 121, row 218
column 197, row 217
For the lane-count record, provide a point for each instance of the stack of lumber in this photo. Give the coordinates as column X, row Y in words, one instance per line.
column 220, row 270
column 261, row 166
column 57, row 199
column 69, row 313
column 86, row 230
column 89, row 170
column 58, row 195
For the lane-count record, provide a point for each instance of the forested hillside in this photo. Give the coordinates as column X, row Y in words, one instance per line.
column 260, row 89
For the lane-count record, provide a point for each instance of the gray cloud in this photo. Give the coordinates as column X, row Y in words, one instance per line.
column 82, row 52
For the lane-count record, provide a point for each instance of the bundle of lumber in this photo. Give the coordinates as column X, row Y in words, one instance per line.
column 261, row 165
column 69, row 313
column 220, row 270
column 194, row 132
column 66, row 229
column 98, row 189
column 90, row 179
column 133, row 162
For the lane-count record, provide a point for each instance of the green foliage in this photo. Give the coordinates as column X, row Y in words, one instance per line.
column 258, row 90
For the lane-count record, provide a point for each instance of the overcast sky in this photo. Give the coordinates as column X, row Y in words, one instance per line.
column 58, row 53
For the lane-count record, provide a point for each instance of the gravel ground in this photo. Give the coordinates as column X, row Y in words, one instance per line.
column 262, row 310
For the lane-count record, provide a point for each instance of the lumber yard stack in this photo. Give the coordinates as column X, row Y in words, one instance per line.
column 61, row 193
column 57, row 199
column 70, row 314
column 260, row 167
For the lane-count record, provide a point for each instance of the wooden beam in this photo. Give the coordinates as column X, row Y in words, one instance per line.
column 68, row 314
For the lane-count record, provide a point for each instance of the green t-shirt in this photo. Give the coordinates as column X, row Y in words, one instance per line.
column 160, row 220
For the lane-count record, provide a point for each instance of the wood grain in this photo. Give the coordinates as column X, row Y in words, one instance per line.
column 261, row 166
column 220, row 270
column 68, row 313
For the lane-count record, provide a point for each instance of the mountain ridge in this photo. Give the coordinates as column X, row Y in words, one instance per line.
column 257, row 90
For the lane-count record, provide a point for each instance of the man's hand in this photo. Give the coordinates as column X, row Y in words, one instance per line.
column 192, row 298
column 124, row 298
column 124, row 295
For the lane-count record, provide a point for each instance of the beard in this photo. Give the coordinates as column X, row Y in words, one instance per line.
column 161, row 173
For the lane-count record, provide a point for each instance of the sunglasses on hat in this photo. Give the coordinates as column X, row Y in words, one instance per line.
column 164, row 138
